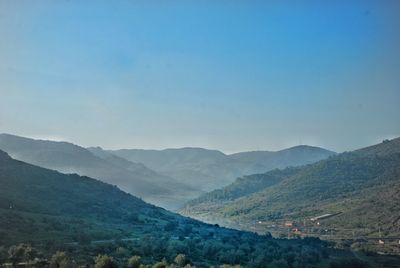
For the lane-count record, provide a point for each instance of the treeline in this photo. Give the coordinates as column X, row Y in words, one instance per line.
column 126, row 254
column 24, row 255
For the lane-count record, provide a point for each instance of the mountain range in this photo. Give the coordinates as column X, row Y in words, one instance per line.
column 351, row 198
column 210, row 169
column 354, row 192
column 66, row 157
column 86, row 217
column 167, row 178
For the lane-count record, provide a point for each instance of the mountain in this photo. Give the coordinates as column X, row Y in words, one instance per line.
column 197, row 167
column 168, row 178
column 244, row 186
column 295, row 156
column 69, row 158
column 86, row 217
column 177, row 192
column 358, row 192
column 28, row 191
column 210, row 169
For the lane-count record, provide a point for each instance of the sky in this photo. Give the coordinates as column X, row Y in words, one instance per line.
column 228, row 75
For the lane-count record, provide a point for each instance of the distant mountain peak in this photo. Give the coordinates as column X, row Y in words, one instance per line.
column 304, row 147
column 95, row 148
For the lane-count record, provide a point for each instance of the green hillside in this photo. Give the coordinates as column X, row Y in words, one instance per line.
column 28, row 191
column 361, row 187
column 134, row 178
column 85, row 217
column 245, row 186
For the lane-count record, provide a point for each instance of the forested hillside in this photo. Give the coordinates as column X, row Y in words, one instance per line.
column 360, row 188
column 85, row 217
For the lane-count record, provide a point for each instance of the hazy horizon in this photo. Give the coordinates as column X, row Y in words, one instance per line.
column 44, row 138
column 232, row 76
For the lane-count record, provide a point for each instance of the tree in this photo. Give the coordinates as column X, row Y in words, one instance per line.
column 21, row 252
column 134, row 261
column 161, row 264
column 122, row 252
column 180, row 260
column 105, row 261
column 61, row 260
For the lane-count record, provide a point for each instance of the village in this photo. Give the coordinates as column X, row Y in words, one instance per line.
column 316, row 226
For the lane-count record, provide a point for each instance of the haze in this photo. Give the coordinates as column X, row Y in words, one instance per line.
column 230, row 76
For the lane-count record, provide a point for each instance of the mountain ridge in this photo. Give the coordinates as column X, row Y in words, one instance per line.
column 339, row 184
column 210, row 169
column 70, row 158
column 167, row 177
column 86, row 217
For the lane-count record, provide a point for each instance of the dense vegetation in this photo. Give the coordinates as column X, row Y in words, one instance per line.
column 362, row 187
column 43, row 211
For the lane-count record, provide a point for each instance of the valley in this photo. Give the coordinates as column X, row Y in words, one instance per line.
column 199, row 134
column 85, row 217
column 167, row 178
column 351, row 198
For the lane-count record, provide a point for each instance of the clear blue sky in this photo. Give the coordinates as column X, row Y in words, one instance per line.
column 230, row 75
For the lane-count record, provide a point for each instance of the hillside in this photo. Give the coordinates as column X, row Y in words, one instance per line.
column 243, row 186
column 27, row 190
column 387, row 147
column 66, row 157
column 210, row 169
column 177, row 192
column 363, row 186
column 295, row 156
column 197, row 167
column 85, row 217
